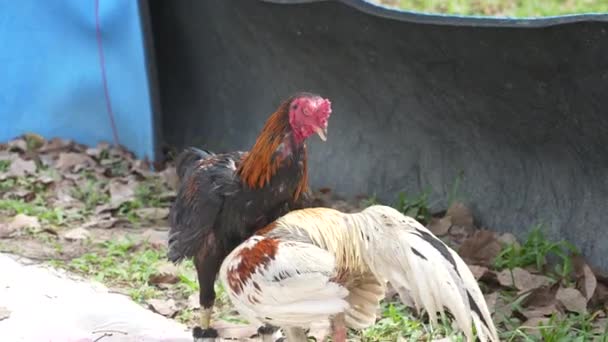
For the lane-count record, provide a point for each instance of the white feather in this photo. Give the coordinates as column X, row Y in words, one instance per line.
column 295, row 286
column 366, row 249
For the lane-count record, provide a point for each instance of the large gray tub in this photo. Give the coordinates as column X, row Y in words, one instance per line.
column 519, row 107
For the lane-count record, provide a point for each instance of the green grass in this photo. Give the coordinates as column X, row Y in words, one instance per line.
column 5, row 165
column 536, row 251
column 509, row 8
column 398, row 320
column 147, row 195
column 36, row 208
column 573, row 327
column 91, row 194
column 123, row 264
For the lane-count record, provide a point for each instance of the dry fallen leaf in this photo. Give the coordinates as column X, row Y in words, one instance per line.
column 142, row 168
column 508, row 239
column 480, row 249
column 572, row 300
column 521, row 279
column 164, row 307
column 586, row 281
column 166, row 273
column 440, row 226
column 20, row 168
column 541, row 297
column 121, row 192
column 155, row 238
column 73, row 161
column 153, row 214
column 76, row 234
column 491, row 300
column 17, row 145
column 600, row 296
column 600, row 326
column 56, row 145
column 169, row 176
column 478, row 271
column 21, row 221
column 460, row 215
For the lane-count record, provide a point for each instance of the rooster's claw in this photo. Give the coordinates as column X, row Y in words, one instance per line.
column 200, row 333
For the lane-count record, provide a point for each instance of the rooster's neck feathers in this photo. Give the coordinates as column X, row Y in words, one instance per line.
column 273, row 147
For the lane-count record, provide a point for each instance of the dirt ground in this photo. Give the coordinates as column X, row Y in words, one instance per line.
column 100, row 213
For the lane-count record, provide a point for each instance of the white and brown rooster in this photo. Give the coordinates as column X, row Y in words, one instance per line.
column 319, row 264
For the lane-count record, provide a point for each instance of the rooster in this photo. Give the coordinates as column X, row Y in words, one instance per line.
column 224, row 198
column 316, row 264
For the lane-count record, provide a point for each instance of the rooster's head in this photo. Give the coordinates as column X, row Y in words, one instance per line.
column 308, row 114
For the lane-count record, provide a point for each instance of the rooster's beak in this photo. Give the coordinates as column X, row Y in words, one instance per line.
column 322, row 132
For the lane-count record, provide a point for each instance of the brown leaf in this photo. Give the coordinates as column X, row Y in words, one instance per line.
column 600, row 296
column 121, row 192
column 491, row 300
column 76, row 234
column 460, row 215
column 164, row 307
column 6, row 155
column 508, row 239
column 166, row 273
column 56, row 145
column 458, row 233
column 142, row 168
column 20, row 168
column 155, row 238
column 521, row 279
column 478, row 271
column 21, row 221
column 480, row 249
column 4, row 313
column 96, row 152
column 73, row 161
column 104, row 221
column 440, row 226
column 600, row 325
column 541, row 297
column 169, row 176
column 586, row 281
column 541, row 311
column 153, row 214
column 572, row 300
column 17, row 145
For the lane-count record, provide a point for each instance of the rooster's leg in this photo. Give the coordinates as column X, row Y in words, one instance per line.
column 207, row 264
column 338, row 327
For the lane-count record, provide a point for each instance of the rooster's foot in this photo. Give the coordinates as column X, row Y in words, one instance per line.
column 201, row 335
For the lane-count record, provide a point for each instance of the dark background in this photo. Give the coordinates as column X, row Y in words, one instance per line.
column 519, row 111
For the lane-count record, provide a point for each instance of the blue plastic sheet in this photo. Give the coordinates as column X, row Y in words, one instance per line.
column 51, row 78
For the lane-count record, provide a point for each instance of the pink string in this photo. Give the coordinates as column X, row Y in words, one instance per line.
column 102, row 63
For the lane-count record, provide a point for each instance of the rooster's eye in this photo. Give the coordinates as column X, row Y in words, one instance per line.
column 294, row 107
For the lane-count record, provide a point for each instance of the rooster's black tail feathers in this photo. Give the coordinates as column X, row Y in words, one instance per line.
column 185, row 160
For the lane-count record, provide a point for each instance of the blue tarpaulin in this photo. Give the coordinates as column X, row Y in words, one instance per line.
column 51, row 72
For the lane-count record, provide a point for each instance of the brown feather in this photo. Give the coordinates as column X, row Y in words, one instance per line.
column 258, row 166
